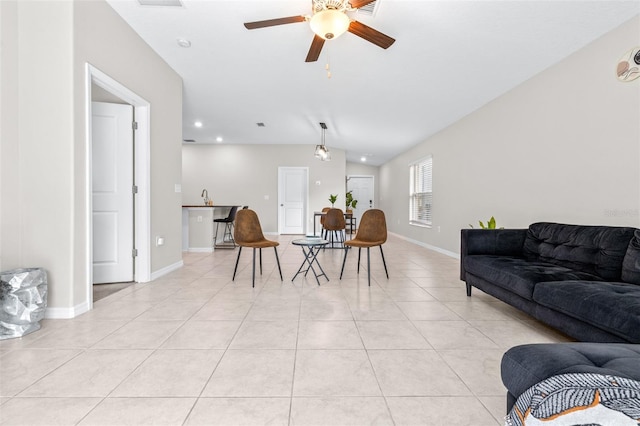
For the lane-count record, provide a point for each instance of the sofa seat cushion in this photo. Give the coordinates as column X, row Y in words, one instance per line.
column 518, row 275
column 525, row 365
column 611, row 306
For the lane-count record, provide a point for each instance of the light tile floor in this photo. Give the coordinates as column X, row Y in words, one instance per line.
column 196, row 348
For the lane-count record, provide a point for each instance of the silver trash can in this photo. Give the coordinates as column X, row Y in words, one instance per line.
column 23, row 300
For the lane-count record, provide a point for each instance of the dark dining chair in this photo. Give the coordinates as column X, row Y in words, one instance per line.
column 248, row 233
column 227, row 235
column 371, row 232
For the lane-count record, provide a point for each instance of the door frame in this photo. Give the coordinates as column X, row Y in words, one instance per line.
column 142, row 168
column 305, row 207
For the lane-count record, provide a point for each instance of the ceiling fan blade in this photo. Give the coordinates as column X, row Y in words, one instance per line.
column 315, row 49
column 357, row 4
column 274, row 22
column 371, row 35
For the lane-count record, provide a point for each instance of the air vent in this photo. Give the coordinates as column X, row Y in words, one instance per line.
column 189, row 140
column 261, row 124
column 170, row 3
column 369, row 9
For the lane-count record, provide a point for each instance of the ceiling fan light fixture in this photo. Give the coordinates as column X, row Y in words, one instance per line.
column 329, row 23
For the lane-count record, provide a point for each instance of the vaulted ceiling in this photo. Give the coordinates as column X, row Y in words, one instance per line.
column 450, row 58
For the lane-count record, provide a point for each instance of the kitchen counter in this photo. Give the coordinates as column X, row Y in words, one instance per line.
column 197, row 226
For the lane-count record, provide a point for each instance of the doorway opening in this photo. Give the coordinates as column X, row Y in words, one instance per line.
column 141, row 172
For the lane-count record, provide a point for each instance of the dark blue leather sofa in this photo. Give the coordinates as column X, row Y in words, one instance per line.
column 581, row 280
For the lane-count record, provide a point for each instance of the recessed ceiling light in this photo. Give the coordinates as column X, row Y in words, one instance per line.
column 183, row 42
column 363, row 159
column 198, row 124
column 219, row 139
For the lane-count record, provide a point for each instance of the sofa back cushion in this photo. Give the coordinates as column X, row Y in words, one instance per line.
column 597, row 250
column 631, row 262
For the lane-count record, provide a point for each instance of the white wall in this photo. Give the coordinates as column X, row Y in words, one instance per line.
column 104, row 40
column 245, row 174
column 563, row 147
column 45, row 46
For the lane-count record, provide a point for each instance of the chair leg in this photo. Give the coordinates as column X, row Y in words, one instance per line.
column 359, row 250
column 344, row 260
column 384, row 263
column 260, row 261
column 228, row 231
column 253, row 272
column 237, row 260
column 278, row 262
column 368, row 266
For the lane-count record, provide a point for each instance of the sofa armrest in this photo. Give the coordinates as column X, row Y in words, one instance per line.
column 499, row 242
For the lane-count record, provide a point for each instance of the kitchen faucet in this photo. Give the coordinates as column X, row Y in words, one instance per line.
column 205, row 194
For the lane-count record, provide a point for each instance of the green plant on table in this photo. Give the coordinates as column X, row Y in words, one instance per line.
column 491, row 224
column 332, row 199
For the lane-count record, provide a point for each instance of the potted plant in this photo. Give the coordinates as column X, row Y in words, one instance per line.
column 491, row 224
column 332, row 199
column 351, row 203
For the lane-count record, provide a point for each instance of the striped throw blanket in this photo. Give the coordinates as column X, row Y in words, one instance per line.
column 578, row 399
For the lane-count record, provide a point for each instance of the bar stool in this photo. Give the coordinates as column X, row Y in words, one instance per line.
column 227, row 235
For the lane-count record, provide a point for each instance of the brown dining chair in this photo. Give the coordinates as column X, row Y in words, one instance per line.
column 335, row 224
column 371, row 232
column 248, row 233
column 323, row 231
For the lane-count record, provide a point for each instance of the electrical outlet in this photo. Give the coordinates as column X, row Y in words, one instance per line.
column 438, row 229
column 159, row 241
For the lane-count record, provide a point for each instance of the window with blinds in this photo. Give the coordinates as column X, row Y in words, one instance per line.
column 421, row 192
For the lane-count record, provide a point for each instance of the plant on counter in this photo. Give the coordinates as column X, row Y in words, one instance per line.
column 491, row 224
column 332, row 199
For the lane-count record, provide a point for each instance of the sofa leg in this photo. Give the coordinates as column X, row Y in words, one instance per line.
column 468, row 289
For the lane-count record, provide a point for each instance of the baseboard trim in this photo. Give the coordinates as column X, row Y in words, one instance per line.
column 198, row 250
column 428, row 246
column 66, row 313
column 166, row 270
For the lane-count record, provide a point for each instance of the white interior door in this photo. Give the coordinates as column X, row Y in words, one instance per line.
column 293, row 187
column 112, row 192
column 362, row 187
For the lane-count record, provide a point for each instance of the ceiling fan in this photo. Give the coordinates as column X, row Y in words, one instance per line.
column 329, row 21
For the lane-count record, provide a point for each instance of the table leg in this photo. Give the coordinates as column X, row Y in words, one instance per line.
column 309, row 258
